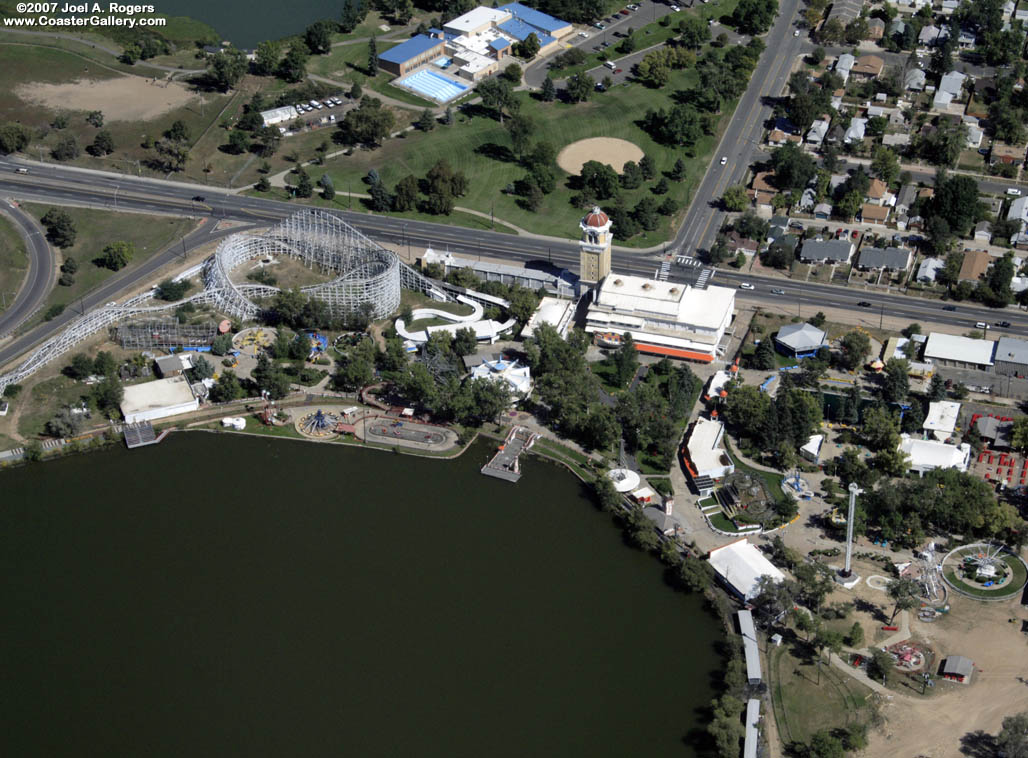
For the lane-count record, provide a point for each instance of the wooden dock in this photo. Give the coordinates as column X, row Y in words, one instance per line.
column 504, row 465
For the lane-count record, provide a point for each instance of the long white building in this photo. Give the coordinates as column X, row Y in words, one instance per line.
column 664, row 318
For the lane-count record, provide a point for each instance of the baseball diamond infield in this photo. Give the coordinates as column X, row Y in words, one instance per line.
column 614, row 152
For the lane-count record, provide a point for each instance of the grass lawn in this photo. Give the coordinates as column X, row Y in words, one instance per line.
column 14, row 262
column 457, row 218
column 96, row 229
column 45, row 399
column 1012, row 588
column 803, row 707
column 420, row 300
column 479, row 146
column 720, row 521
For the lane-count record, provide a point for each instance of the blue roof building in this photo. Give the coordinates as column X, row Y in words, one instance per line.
column 499, row 44
column 410, row 54
column 538, row 19
column 519, row 30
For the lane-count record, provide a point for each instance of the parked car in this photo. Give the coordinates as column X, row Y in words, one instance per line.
column 864, row 304
column 583, row 34
column 796, row 33
column 838, row 232
column 598, row 25
column 626, row 12
column 746, row 286
column 1013, row 191
column 675, row 8
column 633, row 7
column 618, row 70
column 855, row 234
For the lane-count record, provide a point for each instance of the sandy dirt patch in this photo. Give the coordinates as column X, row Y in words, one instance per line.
column 614, row 152
column 124, row 98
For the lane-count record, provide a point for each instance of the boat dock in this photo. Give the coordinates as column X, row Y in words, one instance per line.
column 504, row 465
column 141, row 434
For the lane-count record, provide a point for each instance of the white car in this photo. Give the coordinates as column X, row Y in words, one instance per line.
column 583, row 34
column 746, row 286
column 796, row 33
column 1013, row 191
column 724, row 159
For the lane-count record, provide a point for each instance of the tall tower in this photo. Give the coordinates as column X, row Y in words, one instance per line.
column 594, row 249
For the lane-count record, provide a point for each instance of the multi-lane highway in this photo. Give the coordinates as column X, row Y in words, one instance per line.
column 40, row 277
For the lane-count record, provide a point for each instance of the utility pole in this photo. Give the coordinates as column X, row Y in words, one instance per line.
column 881, row 316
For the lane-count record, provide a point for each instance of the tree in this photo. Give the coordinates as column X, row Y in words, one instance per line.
column 678, row 171
column 369, row 123
column 904, row 594
column 238, row 142
column 222, row 344
column 579, row 88
column 405, row 194
column 764, row 356
column 103, row 144
column 226, row 68
column 880, row 666
column 372, row 56
column 879, row 428
column 754, row 16
column 171, row 290
column 528, row 48
column 64, row 424
column 60, row 229
column 793, row 167
column 693, row 32
column 895, row 380
column 116, row 255
column 694, row 575
column 104, row 364
column 825, row 745
column 548, row 91
column 202, row 369
column 1013, row 737
column 855, row 347
column 65, row 150
column 855, row 637
column 266, row 58
column 735, row 198
column 520, row 128
column 426, row 122
column 464, row 342
column 355, row 92
column 625, row 360
column 13, row 137
column 227, row 388
column 108, row 395
column 262, row 185
column 631, row 175
column 293, row 67
column 885, row 164
column 599, row 180
column 512, row 74
column 354, row 12
column 318, row 37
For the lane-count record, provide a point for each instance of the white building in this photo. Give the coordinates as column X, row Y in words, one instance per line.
column 705, row 459
column 664, row 318
column 517, row 376
column 942, row 419
column 749, row 646
column 959, row 352
column 927, row 455
column 811, row 449
column 716, row 385
column 158, row 399
column 278, row 115
column 553, row 311
column 740, row 565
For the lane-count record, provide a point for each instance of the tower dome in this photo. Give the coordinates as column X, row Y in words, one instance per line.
column 596, row 218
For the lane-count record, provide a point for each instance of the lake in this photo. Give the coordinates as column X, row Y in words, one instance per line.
column 248, row 23
column 221, row 596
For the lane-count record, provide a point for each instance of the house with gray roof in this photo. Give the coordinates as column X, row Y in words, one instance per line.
column 905, row 198
column 950, row 88
column 826, row 251
column 800, row 340
column 915, row 80
column 896, row 140
column 843, row 65
column 889, row 258
column 928, row 269
column 983, row 231
column 816, row 133
column 822, row 211
column 1011, row 357
column 958, row 668
column 932, row 35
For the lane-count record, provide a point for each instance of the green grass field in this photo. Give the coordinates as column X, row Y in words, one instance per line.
column 46, row 398
column 96, row 229
column 14, row 263
column 469, row 144
column 803, row 707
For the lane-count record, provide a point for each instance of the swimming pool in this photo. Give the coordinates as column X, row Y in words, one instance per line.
column 442, row 62
column 433, row 86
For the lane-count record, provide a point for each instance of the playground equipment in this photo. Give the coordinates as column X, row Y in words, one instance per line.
column 267, row 414
column 796, row 487
column 319, row 424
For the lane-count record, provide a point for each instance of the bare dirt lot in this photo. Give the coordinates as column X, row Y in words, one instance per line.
column 123, row 98
column 614, row 152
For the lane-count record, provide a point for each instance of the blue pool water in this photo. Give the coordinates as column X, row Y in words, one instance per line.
column 442, row 62
column 436, row 87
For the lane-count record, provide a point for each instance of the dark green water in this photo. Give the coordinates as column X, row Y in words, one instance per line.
column 248, row 23
column 231, row 596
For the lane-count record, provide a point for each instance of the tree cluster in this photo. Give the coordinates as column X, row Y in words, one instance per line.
column 367, row 124
column 779, row 425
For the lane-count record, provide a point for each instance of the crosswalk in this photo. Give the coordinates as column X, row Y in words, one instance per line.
column 665, row 271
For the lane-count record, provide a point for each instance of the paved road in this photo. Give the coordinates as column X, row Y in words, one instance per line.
column 40, row 278
column 744, row 131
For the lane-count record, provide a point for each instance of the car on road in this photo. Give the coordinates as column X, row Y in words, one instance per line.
column 949, row 307
column 675, row 8
column 777, row 291
column 746, row 286
column 21, row 170
column 199, row 198
column 980, row 325
column 1013, row 191
column 864, row 304
column 1003, row 324
column 724, row 159
column 796, row 33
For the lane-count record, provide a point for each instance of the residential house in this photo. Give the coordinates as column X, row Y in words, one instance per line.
column 875, row 29
column 777, row 138
column 867, row 67
column 739, row 244
column 845, row 11
column 762, row 192
column 905, row 198
column 874, row 214
column 826, row 251
column 855, row 133
column 1018, row 211
column 878, row 193
column 950, row 89
column 928, row 269
column 1008, row 9
column 915, row 80
column 1011, row 155
column 817, row 132
column 932, row 35
column 808, row 199
column 974, row 136
column 974, row 265
column 843, row 65
column 949, row 6
column 823, row 211
column 1021, row 14
column 967, row 39
column 889, row 259
column 983, row 232
column 897, row 27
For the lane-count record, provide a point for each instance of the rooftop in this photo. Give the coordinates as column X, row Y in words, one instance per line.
column 412, row 48
column 964, row 349
column 476, row 18
column 1011, row 350
column 704, row 445
column 800, row 337
column 927, row 454
column 942, row 417
column 680, row 302
column 536, row 18
column 162, row 393
column 741, row 564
